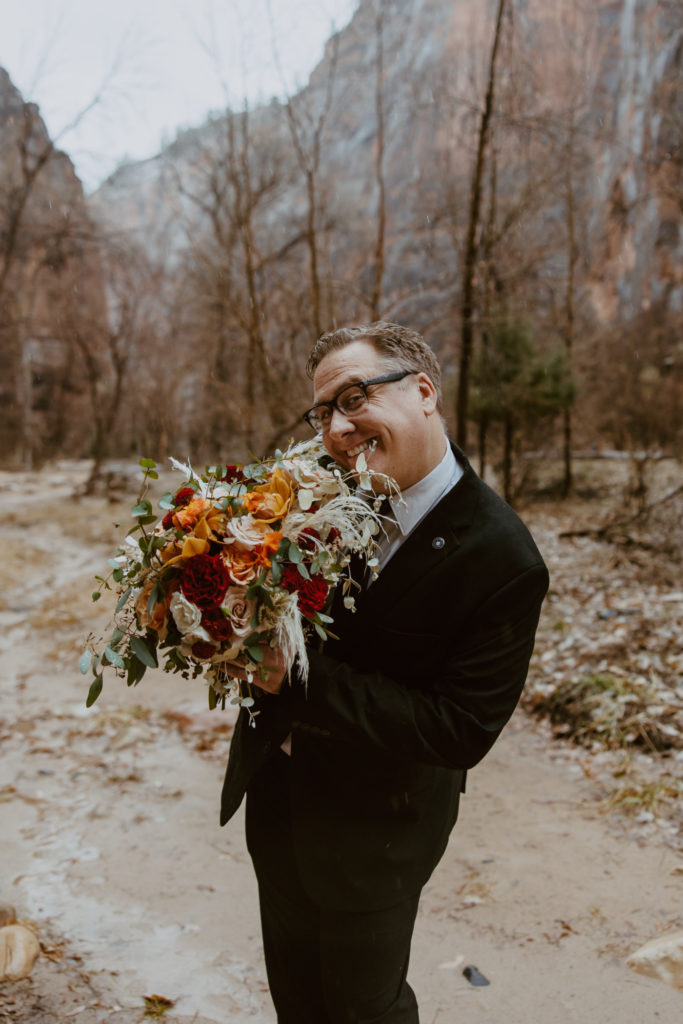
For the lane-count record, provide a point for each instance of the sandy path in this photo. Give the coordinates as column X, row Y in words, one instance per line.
column 111, row 845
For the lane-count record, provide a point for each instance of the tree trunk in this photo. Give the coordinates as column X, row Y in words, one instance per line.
column 312, row 242
column 508, row 441
column 376, row 301
column 471, row 244
column 308, row 158
column 483, row 427
column 569, row 310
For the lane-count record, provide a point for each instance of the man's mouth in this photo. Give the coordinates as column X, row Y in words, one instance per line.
column 364, row 446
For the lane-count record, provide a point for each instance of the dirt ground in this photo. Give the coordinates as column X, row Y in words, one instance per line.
column 111, row 846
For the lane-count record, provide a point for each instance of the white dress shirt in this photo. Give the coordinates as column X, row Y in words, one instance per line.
column 414, row 503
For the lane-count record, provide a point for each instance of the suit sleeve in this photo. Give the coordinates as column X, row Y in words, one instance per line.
column 454, row 713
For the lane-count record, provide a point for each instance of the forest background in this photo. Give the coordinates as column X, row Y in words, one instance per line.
column 504, row 176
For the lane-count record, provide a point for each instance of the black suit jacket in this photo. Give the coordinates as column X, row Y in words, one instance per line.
column 421, row 681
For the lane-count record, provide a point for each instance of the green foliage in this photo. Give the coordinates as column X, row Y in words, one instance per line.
column 512, row 379
column 94, row 691
column 144, row 650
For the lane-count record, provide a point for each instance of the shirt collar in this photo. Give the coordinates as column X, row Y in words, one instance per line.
column 413, row 504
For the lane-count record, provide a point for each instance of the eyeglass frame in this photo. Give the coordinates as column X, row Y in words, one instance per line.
column 386, row 378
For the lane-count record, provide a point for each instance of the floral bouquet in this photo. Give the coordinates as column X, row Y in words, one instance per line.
column 243, row 558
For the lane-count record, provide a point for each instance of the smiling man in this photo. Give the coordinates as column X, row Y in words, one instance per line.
column 353, row 783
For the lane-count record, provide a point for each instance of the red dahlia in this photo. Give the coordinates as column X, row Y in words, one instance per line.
column 184, row 496
column 311, row 593
column 205, row 581
column 203, row 650
column 216, row 624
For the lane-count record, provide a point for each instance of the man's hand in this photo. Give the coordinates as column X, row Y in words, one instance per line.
column 270, row 674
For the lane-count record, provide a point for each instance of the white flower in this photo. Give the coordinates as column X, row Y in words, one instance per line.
column 187, row 616
column 196, row 634
column 312, row 479
column 247, row 531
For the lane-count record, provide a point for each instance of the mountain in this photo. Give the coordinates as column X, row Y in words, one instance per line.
column 354, row 199
column 433, row 49
column 46, row 270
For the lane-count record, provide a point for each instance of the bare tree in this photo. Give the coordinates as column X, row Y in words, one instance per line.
column 472, row 243
column 246, row 278
column 376, row 298
column 307, row 127
column 111, row 344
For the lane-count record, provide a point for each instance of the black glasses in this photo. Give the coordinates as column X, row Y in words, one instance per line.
column 350, row 401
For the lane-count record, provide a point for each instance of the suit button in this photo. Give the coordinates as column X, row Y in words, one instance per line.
column 438, row 543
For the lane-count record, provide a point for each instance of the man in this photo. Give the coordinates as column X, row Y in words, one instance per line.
column 353, row 783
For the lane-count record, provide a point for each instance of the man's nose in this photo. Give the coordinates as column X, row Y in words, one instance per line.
column 340, row 425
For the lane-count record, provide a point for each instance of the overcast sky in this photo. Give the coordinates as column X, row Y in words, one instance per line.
column 158, row 64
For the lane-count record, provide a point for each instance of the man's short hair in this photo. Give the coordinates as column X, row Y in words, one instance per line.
column 404, row 349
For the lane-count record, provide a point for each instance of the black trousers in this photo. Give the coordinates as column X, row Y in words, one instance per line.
column 324, row 966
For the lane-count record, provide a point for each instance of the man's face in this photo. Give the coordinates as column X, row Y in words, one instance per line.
column 398, row 429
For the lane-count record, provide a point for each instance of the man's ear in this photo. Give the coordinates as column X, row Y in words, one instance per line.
column 428, row 393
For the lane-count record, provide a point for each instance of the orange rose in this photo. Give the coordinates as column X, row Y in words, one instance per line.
column 242, row 564
column 157, row 619
column 272, row 500
column 185, row 518
column 265, row 551
column 197, row 541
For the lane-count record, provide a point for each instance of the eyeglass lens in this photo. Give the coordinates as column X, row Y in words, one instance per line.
column 350, row 400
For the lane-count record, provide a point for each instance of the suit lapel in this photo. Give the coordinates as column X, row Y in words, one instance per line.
column 436, row 538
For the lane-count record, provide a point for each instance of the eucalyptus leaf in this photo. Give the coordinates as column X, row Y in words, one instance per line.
column 156, row 596
column 148, row 519
column 143, row 508
column 136, row 671
column 295, row 554
column 122, row 600
column 84, row 661
column 143, row 652
column 113, row 657
column 94, row 691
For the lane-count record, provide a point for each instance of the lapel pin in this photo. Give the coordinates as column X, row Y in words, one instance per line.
column 438, row 543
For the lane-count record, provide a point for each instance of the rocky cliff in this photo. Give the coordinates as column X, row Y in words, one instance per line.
column 47, row 273
column 435, row 54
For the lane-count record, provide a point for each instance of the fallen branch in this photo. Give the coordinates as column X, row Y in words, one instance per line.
column 605, row 531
